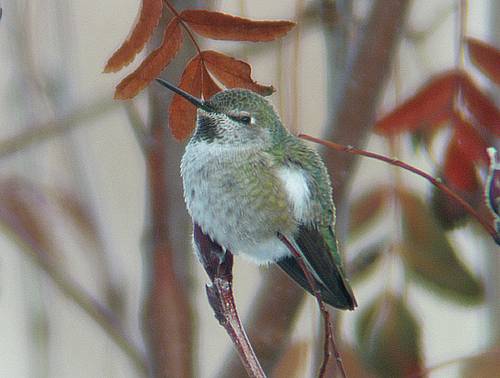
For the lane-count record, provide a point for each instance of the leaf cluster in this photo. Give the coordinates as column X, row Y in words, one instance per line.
column 200, row 72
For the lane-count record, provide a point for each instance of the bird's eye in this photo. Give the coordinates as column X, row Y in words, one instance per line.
column 242, row 117
column 245, row 119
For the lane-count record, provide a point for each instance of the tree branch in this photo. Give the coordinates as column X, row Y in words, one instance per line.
column 219, row 266
column 362, row 83
column 44, row 131
column 268, row 330
column 168, row 316
column 398, row 163
column 328, row 336
column 91, row 306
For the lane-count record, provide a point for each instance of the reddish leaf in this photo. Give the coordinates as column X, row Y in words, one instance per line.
column 182, row 114
column 223, row 26
column 233, row 73
column 153, row 64
column 430, row 105
column 485, row 57
column 209, row 86
column 149, row 18
column 430, row 257
column 482, row 108
column 469, row 142
column 458, row 170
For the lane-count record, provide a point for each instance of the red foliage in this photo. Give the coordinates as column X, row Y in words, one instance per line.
column 149, row 17
column 470, row 143
column 217, row 25
column 438, row 102
column 453, row 99
column 152, row 66
column 431, row 105
column 481, row 107
column 459, row 172
column 233, row 73
column 182, row 113
column 208, row 86
column 196, row 78
column 485, row 57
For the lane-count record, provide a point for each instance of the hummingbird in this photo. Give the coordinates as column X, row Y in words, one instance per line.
column 247, row 179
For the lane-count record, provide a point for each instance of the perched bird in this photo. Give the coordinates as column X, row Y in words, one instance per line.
column 246, row 179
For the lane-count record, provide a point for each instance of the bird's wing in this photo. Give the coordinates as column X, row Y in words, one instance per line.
column 318, row 247
column 314, row 238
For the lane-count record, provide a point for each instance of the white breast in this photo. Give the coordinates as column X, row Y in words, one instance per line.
column 295, row 183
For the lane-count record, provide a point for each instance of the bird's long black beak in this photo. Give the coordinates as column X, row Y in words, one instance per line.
column 193, row 100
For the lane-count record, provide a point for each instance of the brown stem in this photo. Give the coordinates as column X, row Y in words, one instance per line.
column 186, row 28
column 101, row 314
column 329, row 337
column 269, row 330
column 221, row 298
column 363, row 81
column 167, row 309
column 218, row 265
column 398, row 163
column 40, row 132
column 168, row 318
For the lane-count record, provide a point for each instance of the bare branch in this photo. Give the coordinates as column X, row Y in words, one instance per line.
column 364, row 78
column 398, row 163
column 39, row 133
column 91, row 306
column 219, row 266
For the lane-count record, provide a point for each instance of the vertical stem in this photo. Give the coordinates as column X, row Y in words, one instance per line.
column 329, row 337
column 219, row 266
column 269, row 330
column 167, row 308
column 221, row 298
column 360, row 88
column 168, row 322
column 492, row 280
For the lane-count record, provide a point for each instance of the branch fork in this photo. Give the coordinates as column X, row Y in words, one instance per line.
column 219, row 264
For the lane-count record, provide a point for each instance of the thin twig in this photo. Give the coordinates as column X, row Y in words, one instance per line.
column 329, row 337
column 38, row 133
column 436, row 182
column 172, row 9
column 176, row 14
column 221, row 298
column 268, row 330
column 91, row 306
column 219, row 265
column 362, row 82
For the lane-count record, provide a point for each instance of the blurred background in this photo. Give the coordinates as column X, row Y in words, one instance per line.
column 97, row 276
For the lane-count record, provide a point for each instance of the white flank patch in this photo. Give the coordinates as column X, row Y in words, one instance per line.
column 295, row 183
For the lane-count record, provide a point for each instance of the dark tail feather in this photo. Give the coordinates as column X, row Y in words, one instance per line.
column 338, row 297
